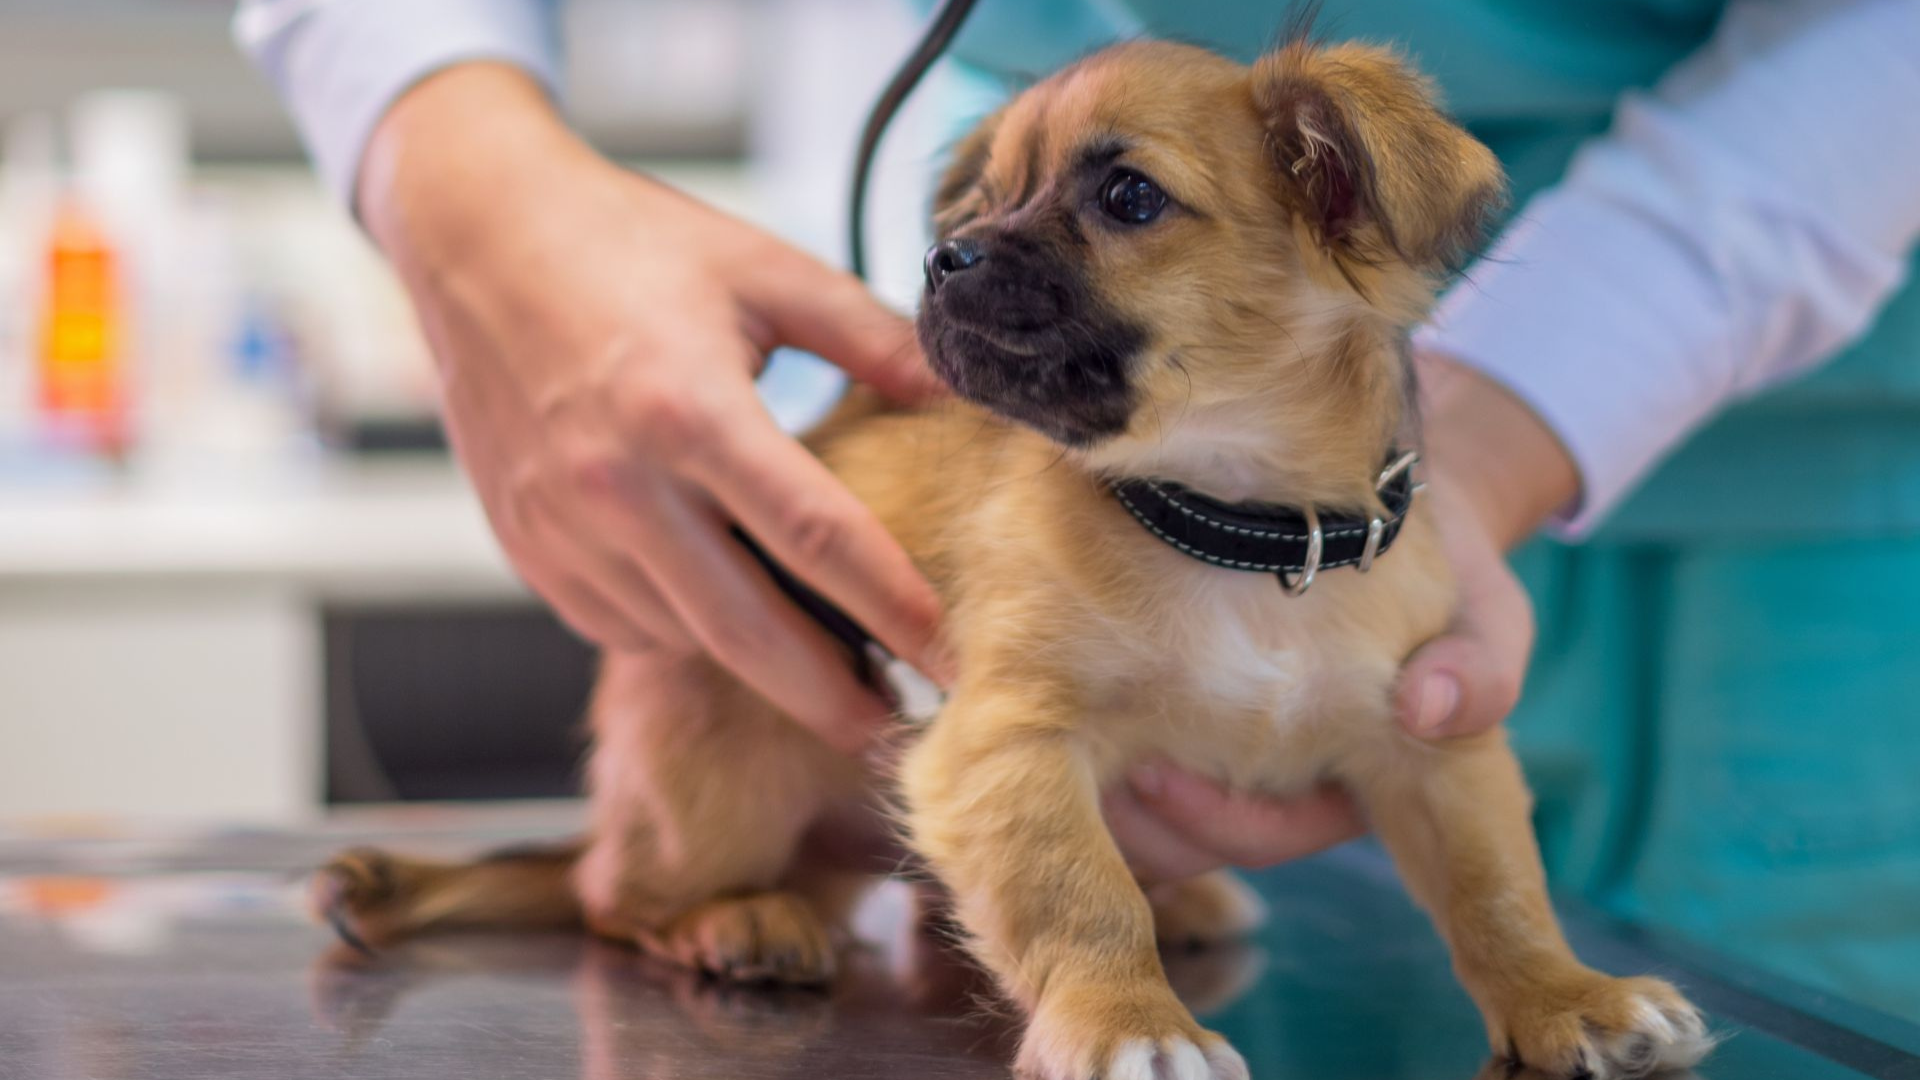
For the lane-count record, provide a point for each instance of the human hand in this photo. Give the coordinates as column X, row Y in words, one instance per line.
column 1495, row 472
column 598, row 334
column 1173, row 824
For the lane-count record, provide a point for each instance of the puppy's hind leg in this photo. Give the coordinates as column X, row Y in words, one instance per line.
column 1455, row 816
column 1211, row 909
column 372, row 897
column 701, row 794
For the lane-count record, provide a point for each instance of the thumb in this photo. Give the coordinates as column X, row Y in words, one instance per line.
column 1453, row 687
column 832, row 314
column 1238, row 828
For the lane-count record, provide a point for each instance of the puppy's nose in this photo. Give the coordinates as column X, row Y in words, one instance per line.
column 949, row 257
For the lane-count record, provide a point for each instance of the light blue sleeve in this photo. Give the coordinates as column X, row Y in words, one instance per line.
column 1739, row 225
column 340, row 64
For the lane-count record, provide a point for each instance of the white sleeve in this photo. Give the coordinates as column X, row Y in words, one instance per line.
column 339, row 64
column 1739, row 224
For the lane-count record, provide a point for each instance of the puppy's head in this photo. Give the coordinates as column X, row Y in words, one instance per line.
column 1160, row 253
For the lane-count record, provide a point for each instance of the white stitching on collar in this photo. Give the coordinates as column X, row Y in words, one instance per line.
column 1232, row 564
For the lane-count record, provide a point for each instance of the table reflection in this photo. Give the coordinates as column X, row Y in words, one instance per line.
column 181, row 958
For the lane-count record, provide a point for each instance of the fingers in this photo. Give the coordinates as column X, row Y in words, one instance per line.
column 580, row 607
column 1177, row 824
column 811, row 306
column 611, row 457
column 602, row 593
column 1469, row 679
column 598, row 593
column 812, row 525
column 614, row 591
column 739, row 616
column 1154, row 849
column 1456, row 685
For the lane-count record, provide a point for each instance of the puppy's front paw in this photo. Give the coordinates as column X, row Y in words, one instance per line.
column 1589, row 1026
column 1119, row 1033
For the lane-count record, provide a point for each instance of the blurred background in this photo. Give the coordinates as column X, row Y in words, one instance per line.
column 240, row 578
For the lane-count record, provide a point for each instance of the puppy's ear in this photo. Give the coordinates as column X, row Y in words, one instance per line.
column 962, row 174
column 1367, row 158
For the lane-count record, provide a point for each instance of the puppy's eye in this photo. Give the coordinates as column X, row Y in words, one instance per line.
column 1131, row 198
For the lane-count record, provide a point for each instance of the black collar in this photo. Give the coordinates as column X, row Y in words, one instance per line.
column 1268, row 538
column 1261, row 537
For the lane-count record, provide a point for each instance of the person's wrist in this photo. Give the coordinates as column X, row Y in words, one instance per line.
column 460, row 159
column 1492, row 450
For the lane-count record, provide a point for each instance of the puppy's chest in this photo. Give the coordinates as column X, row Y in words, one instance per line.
column 1232, row 663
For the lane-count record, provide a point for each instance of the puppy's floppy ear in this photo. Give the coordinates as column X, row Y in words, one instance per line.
column 1367, row 158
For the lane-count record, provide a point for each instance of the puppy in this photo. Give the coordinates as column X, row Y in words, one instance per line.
column 1157, row 264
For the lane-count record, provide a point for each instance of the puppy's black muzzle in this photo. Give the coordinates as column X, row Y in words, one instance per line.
column 1011, row 324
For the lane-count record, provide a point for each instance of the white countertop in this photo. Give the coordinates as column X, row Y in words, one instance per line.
column 385, row 528
column 393, row 527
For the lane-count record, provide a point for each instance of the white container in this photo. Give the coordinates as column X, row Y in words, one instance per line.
column 129, row 153
column 29, row 185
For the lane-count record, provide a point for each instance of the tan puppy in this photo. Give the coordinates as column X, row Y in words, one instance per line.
column 1157, row 263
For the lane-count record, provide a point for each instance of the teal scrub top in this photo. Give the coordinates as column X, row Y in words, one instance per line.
column 1721, row 722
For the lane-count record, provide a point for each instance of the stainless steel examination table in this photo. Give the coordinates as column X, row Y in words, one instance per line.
column 177, row 956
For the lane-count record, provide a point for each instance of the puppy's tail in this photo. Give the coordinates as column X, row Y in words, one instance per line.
column 372, row 898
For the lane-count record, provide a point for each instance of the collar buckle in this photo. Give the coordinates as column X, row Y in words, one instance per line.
column 1376, row 528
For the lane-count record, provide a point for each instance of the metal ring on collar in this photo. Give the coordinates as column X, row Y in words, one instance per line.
column 1375, row 530
column 1315, row 543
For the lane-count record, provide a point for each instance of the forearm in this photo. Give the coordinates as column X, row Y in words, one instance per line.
column 461, row 157
column 1492, row 450
column 1738, row 226
column 341, row 64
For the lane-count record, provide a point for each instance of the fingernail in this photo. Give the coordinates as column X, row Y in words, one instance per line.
column 1439, row 697
column 1147, row 781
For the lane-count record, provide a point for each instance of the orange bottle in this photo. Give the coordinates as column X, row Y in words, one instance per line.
column 82, row 338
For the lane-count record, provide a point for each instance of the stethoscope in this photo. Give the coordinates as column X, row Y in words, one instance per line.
column 915, row 696
column 933, row 44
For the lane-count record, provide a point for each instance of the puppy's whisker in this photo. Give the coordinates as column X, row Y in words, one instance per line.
column 1159, row 422
column 1055, row 463
column 1250, row 310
